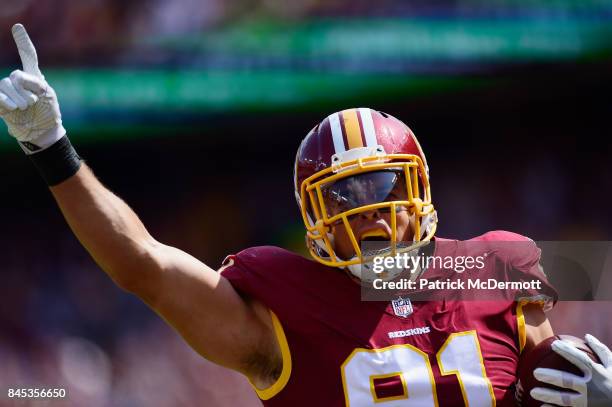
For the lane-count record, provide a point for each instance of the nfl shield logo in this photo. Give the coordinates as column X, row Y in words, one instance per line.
column 402, row 307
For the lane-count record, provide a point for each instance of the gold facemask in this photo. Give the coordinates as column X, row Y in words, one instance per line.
column 325, row 203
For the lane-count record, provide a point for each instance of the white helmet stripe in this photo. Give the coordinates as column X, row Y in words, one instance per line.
column 368, row 127
column 336, row 129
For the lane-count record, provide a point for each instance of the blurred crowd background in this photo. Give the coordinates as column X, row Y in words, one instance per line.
column 192, row 112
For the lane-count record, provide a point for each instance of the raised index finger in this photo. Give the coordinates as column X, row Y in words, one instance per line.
column 26, row 49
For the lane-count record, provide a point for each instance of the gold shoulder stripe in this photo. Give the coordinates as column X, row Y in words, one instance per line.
column 520, row 322
column 281, row 382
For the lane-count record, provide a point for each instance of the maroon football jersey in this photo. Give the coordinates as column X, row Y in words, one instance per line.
column 339, row 350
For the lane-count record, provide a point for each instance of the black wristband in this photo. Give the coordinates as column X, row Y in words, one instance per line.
column 58, row 162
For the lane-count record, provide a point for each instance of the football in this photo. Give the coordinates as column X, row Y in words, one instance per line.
column 544, row 356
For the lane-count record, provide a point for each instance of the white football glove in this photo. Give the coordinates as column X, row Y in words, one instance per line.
column 592, row 389
column 28, row 104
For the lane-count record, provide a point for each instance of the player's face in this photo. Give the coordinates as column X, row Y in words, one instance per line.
column 364, row 189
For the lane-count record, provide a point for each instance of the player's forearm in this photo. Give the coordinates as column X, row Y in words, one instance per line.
column 109, row 230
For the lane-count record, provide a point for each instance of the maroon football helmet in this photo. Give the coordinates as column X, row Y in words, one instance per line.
column 360, row 160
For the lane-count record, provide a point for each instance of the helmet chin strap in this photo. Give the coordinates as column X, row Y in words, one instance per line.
column 428, row 222
column 320, row 243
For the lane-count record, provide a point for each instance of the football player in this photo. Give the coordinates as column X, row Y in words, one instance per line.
column 297, row 328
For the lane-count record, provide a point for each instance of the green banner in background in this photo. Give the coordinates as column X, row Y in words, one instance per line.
column 370, row 43
column 266, row 66
column 106, row 102
column 201, row 90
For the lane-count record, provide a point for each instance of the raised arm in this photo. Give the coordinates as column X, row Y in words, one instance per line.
column 197, row 301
